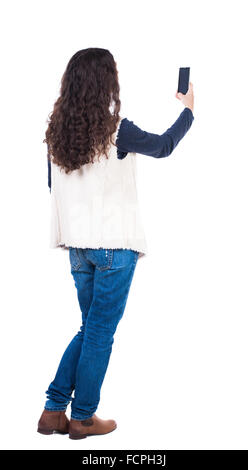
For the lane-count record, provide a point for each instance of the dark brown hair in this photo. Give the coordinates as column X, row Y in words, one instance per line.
column 81, row 123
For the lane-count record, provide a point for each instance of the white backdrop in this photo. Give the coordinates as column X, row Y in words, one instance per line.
column 177, row 377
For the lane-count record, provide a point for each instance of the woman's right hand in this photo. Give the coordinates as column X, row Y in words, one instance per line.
column 188, row 99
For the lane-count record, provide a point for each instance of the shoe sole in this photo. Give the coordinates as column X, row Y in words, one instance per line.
column 48, row 432
column 83, row 436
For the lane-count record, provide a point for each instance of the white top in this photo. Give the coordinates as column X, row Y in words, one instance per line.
column 96, row 206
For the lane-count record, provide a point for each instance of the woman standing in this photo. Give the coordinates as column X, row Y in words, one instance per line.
column 95, row 217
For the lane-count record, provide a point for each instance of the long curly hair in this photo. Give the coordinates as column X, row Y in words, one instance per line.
column 81, row 124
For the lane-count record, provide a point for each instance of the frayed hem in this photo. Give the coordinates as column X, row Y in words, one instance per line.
column 55, row 409
column 96, row 247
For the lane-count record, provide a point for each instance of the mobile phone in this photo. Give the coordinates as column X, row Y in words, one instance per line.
column 183, row 80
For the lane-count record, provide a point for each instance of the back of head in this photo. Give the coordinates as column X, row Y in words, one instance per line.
column 86, row 114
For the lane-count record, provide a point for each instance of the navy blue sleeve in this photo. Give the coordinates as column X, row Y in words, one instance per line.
column 130, row 138
column 49, row 172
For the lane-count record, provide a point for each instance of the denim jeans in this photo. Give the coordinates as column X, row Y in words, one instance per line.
column 102, row 278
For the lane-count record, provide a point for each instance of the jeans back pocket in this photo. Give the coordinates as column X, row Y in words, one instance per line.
column 74, row 258
column 124, row 257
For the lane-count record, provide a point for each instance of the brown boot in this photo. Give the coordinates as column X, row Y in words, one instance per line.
column 53, row 422
column 90, row 427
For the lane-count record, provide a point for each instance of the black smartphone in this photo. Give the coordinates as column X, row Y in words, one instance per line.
column 183, row 80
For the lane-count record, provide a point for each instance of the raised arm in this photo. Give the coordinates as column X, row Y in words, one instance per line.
column 130, row 138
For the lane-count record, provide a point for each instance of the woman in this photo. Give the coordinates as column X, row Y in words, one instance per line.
column 95, row 217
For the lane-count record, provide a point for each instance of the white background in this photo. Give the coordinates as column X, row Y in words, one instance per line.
column 177, row 377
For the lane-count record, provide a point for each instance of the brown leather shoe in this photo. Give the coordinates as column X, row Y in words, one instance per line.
column 90, row 427
column 52, row 422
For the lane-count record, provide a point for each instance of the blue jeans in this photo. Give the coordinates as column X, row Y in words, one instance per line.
column 102, row 278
